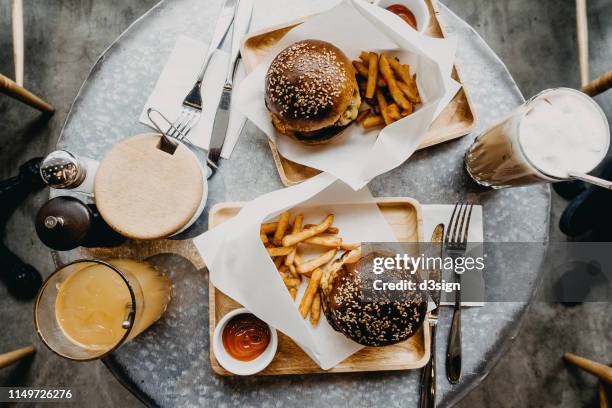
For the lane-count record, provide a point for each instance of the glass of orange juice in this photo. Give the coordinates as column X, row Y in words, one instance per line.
column 90, row 307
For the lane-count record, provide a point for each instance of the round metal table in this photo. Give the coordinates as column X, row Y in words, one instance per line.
column 168, row 365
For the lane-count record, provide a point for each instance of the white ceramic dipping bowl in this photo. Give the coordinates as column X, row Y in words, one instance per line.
column 418, row 8
column 242, row 367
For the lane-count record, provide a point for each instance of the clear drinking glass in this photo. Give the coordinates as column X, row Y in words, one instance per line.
column 90, row 307
column 505, row 155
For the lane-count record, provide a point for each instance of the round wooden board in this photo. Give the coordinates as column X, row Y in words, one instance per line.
column 145, row 193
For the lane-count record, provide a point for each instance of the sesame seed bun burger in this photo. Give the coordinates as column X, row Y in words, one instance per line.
column 311, row 92
column 372, row 318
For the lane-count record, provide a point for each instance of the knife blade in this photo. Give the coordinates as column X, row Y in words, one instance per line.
column 223, row 24
column 435, row 274
column 242, row 20
column 428, row 375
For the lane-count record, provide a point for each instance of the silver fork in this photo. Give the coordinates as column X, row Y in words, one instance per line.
column 455, row 245
column 191, row 108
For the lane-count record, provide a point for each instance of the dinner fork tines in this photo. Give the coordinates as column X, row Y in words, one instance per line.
column 191, row 109
column 455, row 244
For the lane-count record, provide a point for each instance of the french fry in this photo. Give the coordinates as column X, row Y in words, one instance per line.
column 372, row 75
column 268, row 227
column 294, row 273
column 291, row 256
column 373, row 121
column 330, row 230
column 405, row 113
column 281, row 228
column 325, row 241
column 264, row 238
column 350, row 246
column 402, row 71
column 297, row 223
column 294, row 239
column 283, row 269
column 291, row 282
column 297, row 260
column 361, row 69
column 382, row 102
column 279, row 251
column 297, row 227
column 396, row 93
column 364, row 56
column 362, row 115
column 293, row 292
column 393, row 112
column 409, row 92
column 313, row 264
column 353, row 256
column 311, row 291
column 315, row 310
column 278, row 261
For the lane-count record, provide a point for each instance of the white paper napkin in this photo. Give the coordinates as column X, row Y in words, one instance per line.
column 177, row 79
column 361, row 154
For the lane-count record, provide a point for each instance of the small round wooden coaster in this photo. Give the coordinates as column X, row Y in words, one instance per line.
column 145, row 193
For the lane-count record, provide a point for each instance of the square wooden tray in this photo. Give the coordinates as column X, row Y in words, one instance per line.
column 404, row 217
column 456, row 120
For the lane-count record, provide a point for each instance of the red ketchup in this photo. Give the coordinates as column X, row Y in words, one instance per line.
column 245, row 337
column 404, row 13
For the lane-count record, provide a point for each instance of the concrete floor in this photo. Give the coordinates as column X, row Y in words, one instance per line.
column 536, row 41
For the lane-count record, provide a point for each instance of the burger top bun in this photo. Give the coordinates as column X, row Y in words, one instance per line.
column 309, row 85
column 368, row 318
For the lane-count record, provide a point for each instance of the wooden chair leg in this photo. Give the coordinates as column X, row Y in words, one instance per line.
column 11, row 357
column 11, row 88
column 601, row 371
column 18, row 54
column 599, row 85
column 603, row 398
column 582, row 37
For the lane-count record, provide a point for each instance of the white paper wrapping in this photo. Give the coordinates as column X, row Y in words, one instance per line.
column 240, row 267
column 360, row 155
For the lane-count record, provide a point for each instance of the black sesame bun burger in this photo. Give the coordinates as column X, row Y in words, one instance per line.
column 372, row 319
column 311, row 92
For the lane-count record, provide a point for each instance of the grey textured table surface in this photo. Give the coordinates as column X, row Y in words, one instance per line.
column 169, row 364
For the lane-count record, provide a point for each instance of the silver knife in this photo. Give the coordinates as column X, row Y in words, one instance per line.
column 428, row 375
column 242, row 20
column 223, row 24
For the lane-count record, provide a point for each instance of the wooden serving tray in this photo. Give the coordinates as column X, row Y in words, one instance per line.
column 456, row 120
column 404, row 217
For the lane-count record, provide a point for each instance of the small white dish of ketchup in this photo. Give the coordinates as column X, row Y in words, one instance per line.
column 413, row 12
column 243, row 344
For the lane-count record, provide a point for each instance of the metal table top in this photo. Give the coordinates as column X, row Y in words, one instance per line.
column 168, row 365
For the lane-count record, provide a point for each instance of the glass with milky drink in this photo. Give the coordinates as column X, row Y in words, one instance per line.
column 89, row 308
column 554, row 133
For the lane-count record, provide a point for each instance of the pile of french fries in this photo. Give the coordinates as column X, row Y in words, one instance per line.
column 387, row 86
column 283, row 241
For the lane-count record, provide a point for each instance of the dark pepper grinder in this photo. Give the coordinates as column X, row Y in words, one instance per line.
column 22, row 280
column 65, row 222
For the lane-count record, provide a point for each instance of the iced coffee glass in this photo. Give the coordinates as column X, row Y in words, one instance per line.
column 89, row 308
column 554, row 133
